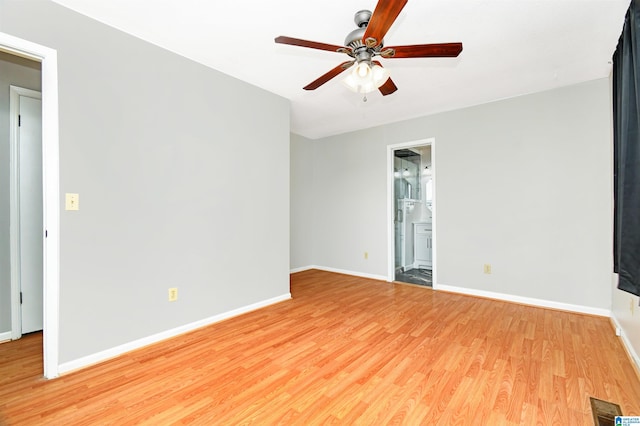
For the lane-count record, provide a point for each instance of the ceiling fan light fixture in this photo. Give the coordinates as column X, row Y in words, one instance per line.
column 380, row 75
column 358, row 85
column 365, row 79
column 362, row 70
column 360, row 79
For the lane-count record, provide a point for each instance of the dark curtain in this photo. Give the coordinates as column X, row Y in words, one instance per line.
column 626, row 100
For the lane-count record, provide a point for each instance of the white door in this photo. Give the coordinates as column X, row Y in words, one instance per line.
column 30, row 212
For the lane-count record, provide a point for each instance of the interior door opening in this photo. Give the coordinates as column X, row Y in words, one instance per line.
column 413, row 207
column 48, row 60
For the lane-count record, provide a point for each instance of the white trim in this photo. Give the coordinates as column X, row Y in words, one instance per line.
column 167, row 334
column 4, row 337
column 627, row 343
column 391, row 207
column 391, row 259
column 434, row 218
column 14, row 214
column 15, row 92
column 301, row 269
column 347, row 272
column 541, row 303
column 50, row 175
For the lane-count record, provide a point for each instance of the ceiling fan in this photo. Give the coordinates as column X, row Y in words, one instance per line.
column 365, row 43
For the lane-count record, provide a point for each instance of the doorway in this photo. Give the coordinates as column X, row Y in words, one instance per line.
column 411, row 212
column 48, row 60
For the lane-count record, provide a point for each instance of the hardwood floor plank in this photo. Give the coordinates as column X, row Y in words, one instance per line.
column 344, row 350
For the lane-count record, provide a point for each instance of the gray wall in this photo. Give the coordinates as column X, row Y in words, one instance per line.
column 523, row 184
column 24, row 73
column 626, row 310
column 183, row 176
column 302, row 201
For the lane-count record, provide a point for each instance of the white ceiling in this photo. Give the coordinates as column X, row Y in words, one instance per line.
column 511, row 47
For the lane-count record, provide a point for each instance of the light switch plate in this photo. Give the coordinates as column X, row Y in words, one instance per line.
column 72, row 201
column 173, row 294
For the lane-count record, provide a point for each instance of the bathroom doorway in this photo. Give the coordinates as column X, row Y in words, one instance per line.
column 412, row 213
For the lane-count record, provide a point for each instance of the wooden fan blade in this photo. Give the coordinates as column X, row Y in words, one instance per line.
column 389, row 86
column 311, row 44
column 440, row 50
column 328, row 76
column 381, row 20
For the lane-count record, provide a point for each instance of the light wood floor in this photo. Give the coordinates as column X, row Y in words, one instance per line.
column 345, row 350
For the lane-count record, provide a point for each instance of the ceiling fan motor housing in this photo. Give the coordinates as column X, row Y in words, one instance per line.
column 362, row 18
column 354, row 39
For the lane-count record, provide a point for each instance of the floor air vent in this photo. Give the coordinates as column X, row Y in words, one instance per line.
column 604, row 413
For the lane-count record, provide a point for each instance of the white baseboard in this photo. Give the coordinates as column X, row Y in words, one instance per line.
column 542, row 303
column 344, row 271
column 145, row 341
column 526, row 300
column 5, row 336
column 627, row 343
column 301, row 269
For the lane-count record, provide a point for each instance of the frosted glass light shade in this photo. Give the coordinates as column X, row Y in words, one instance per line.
column 380, row 75
column 365, row 79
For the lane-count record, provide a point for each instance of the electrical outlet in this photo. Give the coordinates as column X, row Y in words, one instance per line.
column 366, row 255
column 487, row 268
column 72, row 202
column 173, row 294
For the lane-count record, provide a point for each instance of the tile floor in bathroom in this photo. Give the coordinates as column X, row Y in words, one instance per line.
column 416, row 276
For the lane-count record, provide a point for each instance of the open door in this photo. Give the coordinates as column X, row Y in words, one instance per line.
column 27, row 228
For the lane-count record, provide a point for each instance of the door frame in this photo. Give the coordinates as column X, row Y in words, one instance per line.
column 391, row 205
column 51, row 190
column 15, row 237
